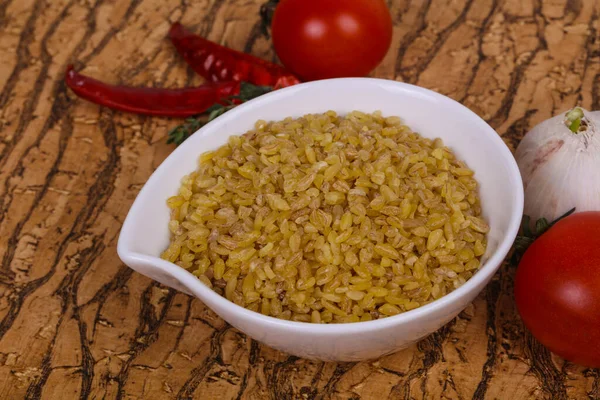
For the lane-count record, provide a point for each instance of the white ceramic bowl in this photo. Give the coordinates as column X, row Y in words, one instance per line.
column 145, row 235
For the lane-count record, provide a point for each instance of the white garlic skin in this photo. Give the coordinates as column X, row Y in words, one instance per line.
column 560, row 169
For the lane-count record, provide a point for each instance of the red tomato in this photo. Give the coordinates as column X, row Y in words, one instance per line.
column 557, row 288
column 318, row 39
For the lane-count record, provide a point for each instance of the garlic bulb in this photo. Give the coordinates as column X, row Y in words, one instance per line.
column 559, row 160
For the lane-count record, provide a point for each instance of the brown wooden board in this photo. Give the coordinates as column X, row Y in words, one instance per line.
column 77, row 323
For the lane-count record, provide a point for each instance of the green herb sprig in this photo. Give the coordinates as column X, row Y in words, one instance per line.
column 248, row 91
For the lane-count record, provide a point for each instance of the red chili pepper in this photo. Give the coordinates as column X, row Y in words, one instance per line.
column 218, row 63
column 152, row 101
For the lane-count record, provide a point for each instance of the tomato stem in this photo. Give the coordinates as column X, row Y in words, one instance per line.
column 527, row 236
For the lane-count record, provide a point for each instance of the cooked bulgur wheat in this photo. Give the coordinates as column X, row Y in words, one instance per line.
column 329, row 218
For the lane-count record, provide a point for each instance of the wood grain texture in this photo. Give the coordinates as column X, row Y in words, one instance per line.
column 76, row 323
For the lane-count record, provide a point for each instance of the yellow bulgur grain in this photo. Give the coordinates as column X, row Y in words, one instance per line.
column 329, row 218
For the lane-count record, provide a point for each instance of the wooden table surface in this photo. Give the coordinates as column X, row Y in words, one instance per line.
column 77, row 323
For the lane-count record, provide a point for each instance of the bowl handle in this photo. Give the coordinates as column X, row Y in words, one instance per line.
column 157, row 269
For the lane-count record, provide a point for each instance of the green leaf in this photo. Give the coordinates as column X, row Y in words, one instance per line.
column 214, row 107
column 522, row 242
column 541, row 226
column 248, row 91
column 180, row 133
column 216, row 112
